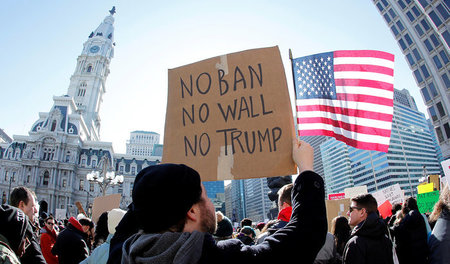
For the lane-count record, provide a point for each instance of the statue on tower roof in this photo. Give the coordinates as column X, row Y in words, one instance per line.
column 112, row 11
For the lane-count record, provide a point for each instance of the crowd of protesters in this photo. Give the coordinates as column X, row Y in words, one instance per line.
column 181, row 226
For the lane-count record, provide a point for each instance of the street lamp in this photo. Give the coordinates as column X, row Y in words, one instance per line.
column 106, row 177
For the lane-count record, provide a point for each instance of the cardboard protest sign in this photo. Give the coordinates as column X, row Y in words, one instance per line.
column 426, row 201
column 385, row 209
column 354, row 191
column 103, row 204
column 336, row 196
column 60, row 214
column 393, row 194
column 446, row 167
column 336, row 208
column 230, row 117
column 424, row 188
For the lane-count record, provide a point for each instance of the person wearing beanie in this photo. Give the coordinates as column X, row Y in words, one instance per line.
column 70, row 245
column 224, row 227
column 176, row 219
column 101, row 253
column 13, row 239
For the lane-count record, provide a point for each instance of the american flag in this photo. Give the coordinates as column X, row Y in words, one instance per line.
column 347, row 95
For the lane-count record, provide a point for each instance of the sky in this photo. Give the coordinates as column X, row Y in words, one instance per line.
column 41, row 40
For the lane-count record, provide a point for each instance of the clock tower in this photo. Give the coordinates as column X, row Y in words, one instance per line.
column 87, row 84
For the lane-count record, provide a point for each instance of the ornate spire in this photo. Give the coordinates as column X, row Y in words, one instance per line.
column 112, row 11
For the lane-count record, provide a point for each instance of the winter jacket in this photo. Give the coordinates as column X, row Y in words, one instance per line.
column 99, row 254
column 48, row 239
column 70, row 246
column 411, row 239
column 327, row 253
column 7, row 255
column 369, row 243
column 301, row 238
column 439, row 243
column 33, row 253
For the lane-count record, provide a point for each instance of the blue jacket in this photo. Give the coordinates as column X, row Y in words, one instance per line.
column 100, row 254
column 439, row 242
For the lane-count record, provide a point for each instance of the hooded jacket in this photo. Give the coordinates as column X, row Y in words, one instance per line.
column 302, row 237
column 411, row 239
column 70, row 246
column 14, row 224
column 369, row 243
column 439, row 242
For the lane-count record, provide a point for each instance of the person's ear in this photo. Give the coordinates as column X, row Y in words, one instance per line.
column 193, row 213
column 21, row 205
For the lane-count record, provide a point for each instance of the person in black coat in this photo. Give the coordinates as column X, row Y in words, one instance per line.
column 183, row 230
column 368, row 241
column 70, row 246
column 411, row 235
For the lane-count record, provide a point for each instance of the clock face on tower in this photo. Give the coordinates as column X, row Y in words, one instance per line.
column 94, row 49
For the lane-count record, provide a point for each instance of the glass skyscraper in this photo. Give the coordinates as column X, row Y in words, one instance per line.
column 421, row 28
column 411, row 148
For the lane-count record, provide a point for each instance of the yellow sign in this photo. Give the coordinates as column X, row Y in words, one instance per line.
column 424, row 188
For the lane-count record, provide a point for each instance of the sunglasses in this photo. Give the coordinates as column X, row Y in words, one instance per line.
column 50, row 223
column 351, row 208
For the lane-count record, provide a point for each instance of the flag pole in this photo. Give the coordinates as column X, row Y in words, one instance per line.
column 297, row 133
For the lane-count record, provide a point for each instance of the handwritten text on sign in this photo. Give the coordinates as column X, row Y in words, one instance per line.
column 229, row 117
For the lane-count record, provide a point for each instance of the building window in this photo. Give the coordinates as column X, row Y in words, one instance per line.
column 446, row 80
column 432, row 113
column 133, row 170
column 415, row 11
column 425, row 72
column 46, row 178
column 401, row 4
column 417, row 55
column 402, row 44
column 380, row 7
column 436, row 20
column 442, row 11
column 425, row 94
column 443, row 56
column 81, row 188
column 428, row 45
column 91, row 187
column 394, row 30
column 418, row 76
column 89, row 69
column 13, row 177
column 408, row 39
column 439, row 134
column 440, row 109
column 424, row 3
column 447, row 130
column 64, row 183
column 435, row 40
column 387, row 18
column 400, row 26
column 94, row 163
column 419, row 30
column 28, row 178
column 410, row 16
column 446, row 36
column 433, row 90
column 425, row 24
column 437, row 62
column 385, row 3
column 121, row 168
column 410, row 59
column 392, row 13
column 83, row 162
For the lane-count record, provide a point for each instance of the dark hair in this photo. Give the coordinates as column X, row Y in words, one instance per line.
column 366, row 201
column 86, row 222
column 341, row 231
column 284, row 194
column 409, row 205
column 395, row 208
column 101, row 230
column 20, row 193
column 246, row 222
column 49, row 218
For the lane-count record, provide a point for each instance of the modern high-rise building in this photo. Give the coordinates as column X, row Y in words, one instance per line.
column 257, row 202
column 142, row 143
column 422, row 30
column 410, row 149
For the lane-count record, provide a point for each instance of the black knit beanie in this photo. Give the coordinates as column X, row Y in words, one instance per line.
column 13, row 223
column 163, row 194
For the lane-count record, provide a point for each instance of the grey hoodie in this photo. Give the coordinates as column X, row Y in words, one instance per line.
column 177, row 248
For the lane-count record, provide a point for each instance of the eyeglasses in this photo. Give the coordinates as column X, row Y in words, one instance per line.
column 351, row 208
column 50, row 223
